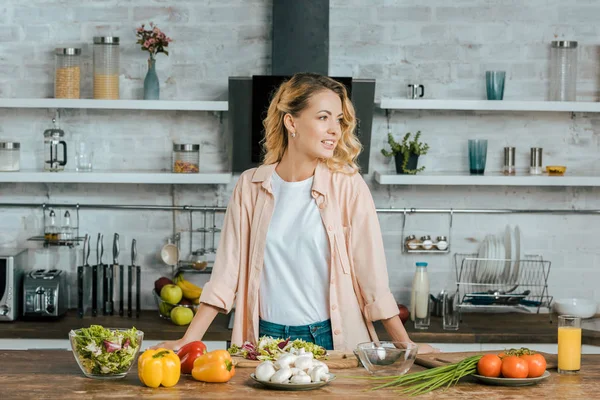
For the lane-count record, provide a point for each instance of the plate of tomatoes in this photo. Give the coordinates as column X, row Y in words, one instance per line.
column 512, row 368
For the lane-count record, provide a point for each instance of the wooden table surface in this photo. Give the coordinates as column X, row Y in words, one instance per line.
column 54, row 374
column 474, row 328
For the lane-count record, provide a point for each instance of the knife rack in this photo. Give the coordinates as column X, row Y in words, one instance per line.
column 501, row 285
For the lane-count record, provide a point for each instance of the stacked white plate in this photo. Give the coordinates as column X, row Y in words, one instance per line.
column 496, row 256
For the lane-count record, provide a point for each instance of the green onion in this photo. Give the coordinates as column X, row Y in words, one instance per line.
column 426, row 381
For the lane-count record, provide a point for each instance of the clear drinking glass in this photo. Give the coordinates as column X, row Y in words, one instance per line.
column 494, row 83
column 84, row 157
column 569, row 344
column 450, row 311
column 477, row 156
column 422, row 311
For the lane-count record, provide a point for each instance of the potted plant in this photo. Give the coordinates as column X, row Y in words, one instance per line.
column 406, row 153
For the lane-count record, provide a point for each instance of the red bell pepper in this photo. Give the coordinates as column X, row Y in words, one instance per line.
column 188, row 354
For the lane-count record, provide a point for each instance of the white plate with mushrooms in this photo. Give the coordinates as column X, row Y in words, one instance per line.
column 293, row 372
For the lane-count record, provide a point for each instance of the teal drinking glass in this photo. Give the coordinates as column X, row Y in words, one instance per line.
column 494, row 83
column 477, row 156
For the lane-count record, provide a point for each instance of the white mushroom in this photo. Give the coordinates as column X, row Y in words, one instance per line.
column 304, row 362
column 264, row 371
column 282, row 376
column 317, row 363
column 300, row 379
column 296, row 371
column 319, row 374
column 286, row 360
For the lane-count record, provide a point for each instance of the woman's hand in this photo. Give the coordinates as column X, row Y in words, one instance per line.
column 169, row 345
column 427, row 348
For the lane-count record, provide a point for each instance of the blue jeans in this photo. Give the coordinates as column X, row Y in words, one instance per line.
column 318, row 333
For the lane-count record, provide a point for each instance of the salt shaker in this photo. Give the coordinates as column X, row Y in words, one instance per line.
column 535, row 161
column 426, row 242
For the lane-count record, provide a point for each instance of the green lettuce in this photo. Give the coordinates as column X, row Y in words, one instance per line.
column 103, row 351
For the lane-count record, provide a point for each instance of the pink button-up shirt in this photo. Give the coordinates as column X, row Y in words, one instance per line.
column 359, row 288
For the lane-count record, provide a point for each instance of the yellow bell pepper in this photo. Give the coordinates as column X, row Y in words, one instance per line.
column 214, row 367
column 159, row 367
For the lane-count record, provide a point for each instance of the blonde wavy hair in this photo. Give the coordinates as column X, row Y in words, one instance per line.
column 292, row 97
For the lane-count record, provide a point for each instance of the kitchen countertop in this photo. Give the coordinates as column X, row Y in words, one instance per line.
column 475, row 328
column 54, row 374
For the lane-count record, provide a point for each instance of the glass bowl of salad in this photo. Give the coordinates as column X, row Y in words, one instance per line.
column 105, row 353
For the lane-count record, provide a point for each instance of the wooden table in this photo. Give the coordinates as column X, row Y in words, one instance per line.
column 474, row 328
column 54, row 374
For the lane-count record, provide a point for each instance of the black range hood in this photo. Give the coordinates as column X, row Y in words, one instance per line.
column 300, row 44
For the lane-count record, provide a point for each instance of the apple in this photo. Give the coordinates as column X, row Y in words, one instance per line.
column 404, row 313
column 181, row 315
column 160, row 282
column 185, row 302
column 171, row 293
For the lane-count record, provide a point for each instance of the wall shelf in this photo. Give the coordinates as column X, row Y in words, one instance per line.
column 173, row 105
column 489, row 105
column 147, row 177
column 490, row 179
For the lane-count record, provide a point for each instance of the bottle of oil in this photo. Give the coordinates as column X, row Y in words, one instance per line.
column 51, row 230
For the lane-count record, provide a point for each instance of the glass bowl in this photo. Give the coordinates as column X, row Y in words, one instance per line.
column 387, row 358
column 101, row 359
column 164, row 308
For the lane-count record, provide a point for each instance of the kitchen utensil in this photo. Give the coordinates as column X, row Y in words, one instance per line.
column 494, row 84
column 556, row 169
column 95, row 279
column 53, row 138
column 169, row 254
column 387, row 358
column 515, row 274
column 81, row 278
column 130, row 279
column 138, row 288
column 121, row 277
column 105, row 277
column 577, row 307
column 511, row 381
column 12, row 264
column 433, row 360
column 477, row 156
column 509, row 161
column 112, row 269
column 294, row 386
column 413, row 91
column 507, row 255
column 563, row 70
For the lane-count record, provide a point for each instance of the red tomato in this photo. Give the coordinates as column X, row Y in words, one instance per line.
column 514, row 367
column 489, row 365
column 536, row 364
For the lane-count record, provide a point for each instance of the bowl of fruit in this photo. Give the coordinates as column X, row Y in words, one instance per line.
column 177, row 300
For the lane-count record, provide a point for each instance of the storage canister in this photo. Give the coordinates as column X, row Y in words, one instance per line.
column 106, row 67
column 563, row 71
column 186, row 158
column 67, row 73
column 10, row 156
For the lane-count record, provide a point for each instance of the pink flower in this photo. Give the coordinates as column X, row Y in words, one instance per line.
column 156, row 30
column 140, row 30
column 147, row 43
column 152, row 41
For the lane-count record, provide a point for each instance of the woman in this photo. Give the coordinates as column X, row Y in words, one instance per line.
column 301, row 245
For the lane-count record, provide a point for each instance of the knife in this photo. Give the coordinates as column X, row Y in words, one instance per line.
column 111, row 270
column 105, row 277
column 130, row 279
column 80, row 280
column 120, row 278
column 95, row 280
column 138, row 282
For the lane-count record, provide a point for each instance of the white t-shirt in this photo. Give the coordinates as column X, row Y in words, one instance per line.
column 294, row 286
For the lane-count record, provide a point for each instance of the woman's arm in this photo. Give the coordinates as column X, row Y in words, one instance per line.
column 396, row 330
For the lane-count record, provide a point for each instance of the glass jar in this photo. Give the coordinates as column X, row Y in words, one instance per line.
column 563, row 71
column 412, row 243
column 442, row 243
column 186, row 158
column 106, row 67
column 51, row 229
column 10, row 156
column 67, row 73
column 426, row 242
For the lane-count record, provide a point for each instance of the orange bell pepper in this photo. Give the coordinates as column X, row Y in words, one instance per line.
column 214, row 367
column 159, row 367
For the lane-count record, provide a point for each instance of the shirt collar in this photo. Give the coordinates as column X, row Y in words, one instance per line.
column 264, row 173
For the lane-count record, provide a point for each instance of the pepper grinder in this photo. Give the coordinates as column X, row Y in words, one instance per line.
column 535, row 161
column 509, row 161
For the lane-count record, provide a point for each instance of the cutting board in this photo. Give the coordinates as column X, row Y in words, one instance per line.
column 441, row 359
column 336, row 359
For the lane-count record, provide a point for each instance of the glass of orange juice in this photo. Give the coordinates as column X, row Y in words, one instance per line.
column 569, row 344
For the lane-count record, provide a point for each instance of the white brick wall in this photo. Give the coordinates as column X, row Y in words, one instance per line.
column 445, row 47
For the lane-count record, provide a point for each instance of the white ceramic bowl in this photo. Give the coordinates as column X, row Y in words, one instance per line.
column 582, row 308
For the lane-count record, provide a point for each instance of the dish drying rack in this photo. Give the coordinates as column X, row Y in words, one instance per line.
column 501, row 285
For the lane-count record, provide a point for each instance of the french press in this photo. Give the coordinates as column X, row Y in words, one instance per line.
column 53, row 138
